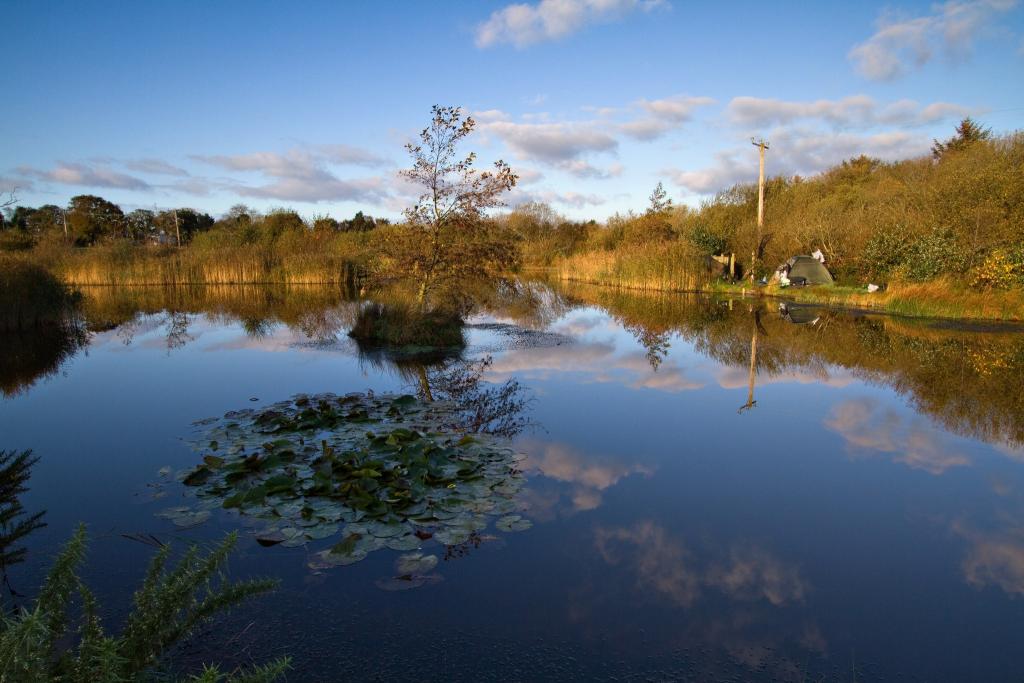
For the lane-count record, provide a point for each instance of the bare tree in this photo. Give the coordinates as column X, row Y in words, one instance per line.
column 448, row 238
column 11, row 199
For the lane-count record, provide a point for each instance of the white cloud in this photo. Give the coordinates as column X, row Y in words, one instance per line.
column 583, row 169
column 87, row 176
column 798, row 152
column 303, row 175
column 491, row 115
column 678, row 108
column 326, row 188
column 901, row 44
column 551, row 142
column 866, row 427
column 528, row 176
column 587, row 476
column 734, row 377
column 565, row 145
column 525, row 24
column 727, row 170
column 349, row 155
column 662, row 116
column 751, row 573
column 575, row 200
column 599, row 361
column 196, row 186
column 663, row 564
column 994, row 558
column 856, row 111
column 646, row 129
column 156, row 166
column 294, row 163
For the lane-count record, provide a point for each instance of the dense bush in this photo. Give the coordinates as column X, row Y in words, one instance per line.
column 918, row 219
column 707, row 242
column 936, row 253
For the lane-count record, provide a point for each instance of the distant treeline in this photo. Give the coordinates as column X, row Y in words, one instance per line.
column 957, row 215
column 89, row 220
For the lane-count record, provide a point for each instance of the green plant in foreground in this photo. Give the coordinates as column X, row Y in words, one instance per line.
column 44, row 644
column 14, row 523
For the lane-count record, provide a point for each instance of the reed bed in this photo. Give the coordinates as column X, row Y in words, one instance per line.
column 670, row 267
column 148, row 266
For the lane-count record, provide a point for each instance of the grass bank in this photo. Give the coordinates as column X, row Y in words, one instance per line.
column 673, row 269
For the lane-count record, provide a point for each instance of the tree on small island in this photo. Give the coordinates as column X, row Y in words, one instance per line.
column 447, row 237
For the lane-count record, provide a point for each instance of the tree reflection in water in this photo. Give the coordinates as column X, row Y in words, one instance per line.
column 969, row 382
column 446, row 376
column 31, row 355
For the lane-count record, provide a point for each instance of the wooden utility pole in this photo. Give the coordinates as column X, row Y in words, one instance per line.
column 762, row 146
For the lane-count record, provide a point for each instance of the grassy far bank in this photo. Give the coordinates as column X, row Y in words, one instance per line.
column 939, row 298
column 943, row 234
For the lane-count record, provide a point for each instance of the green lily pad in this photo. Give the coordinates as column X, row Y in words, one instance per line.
column 452, row 535
column 389, row 468
column 325, row 559
column 322, row 531
column 407, row 582
column 415, row 563
column 184, row 517
column 513, row 523
column 293, row 537
column 407, row 542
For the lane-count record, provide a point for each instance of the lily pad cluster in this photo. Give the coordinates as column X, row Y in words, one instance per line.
column 376, row 470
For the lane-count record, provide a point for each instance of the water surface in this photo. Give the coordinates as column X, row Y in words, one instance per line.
column 847, row 506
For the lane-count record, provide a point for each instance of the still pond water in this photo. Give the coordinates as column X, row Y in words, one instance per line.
column 853, row 509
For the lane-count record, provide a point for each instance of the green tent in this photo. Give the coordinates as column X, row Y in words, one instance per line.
column 810, row 269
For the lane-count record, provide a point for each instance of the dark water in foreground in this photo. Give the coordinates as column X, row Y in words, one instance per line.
column 860, row 518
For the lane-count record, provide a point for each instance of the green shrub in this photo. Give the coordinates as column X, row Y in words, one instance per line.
column 707, row 242
column 885, row 251
column 934, row 254
column 46, row 643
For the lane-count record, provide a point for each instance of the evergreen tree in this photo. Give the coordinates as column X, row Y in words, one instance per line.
column 968, row 132
column 660, row 201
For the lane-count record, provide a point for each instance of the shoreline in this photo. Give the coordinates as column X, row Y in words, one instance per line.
column 929, row 301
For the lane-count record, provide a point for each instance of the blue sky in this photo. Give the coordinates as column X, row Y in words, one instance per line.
column 308, row 105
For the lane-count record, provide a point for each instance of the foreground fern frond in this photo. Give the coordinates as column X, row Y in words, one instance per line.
column 44, row 644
